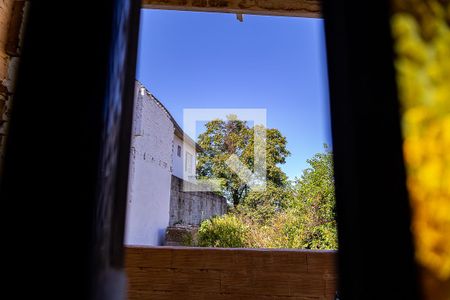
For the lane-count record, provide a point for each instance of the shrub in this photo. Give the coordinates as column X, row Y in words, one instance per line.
column 226, row 231
column 262, row 206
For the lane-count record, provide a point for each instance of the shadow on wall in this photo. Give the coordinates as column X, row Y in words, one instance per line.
column 161, row 236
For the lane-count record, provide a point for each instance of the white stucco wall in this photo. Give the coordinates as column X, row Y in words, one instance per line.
column 178, row 162
column 150, row 173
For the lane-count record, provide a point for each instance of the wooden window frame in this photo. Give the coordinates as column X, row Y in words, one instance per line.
column 79, row 179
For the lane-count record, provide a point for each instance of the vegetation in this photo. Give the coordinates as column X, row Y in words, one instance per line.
column 298, row 214
column 224, row 138
column 315, row 204
column 224, row 231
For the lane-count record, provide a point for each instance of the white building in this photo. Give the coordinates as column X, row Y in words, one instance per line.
column 157, row 153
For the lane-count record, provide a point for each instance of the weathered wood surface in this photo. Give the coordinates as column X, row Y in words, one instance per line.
column 205, row 273
column 296, row 8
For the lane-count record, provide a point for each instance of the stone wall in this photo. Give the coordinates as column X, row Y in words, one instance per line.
column 181, row 235
column 191, row 208
column 162, row 273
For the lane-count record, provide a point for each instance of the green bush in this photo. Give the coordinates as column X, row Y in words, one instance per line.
column 300, row 232
column 226, row 231
column 301, row 215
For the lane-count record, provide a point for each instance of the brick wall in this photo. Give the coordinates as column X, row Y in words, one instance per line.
column 190, row 208
column 5, row 18
column 220, row 274
column 11, row 23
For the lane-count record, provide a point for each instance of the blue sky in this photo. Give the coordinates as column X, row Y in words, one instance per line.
column 211, row 60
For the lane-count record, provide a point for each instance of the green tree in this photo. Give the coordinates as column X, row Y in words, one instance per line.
column 261, row 206
column 224, row 138
column 314, row 203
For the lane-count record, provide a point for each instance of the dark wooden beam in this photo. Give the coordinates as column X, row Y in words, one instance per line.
column 292, row 8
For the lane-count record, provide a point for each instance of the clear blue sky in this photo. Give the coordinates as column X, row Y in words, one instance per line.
column 211, row 60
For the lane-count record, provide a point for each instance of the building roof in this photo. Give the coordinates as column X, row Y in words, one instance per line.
column 178, row 130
